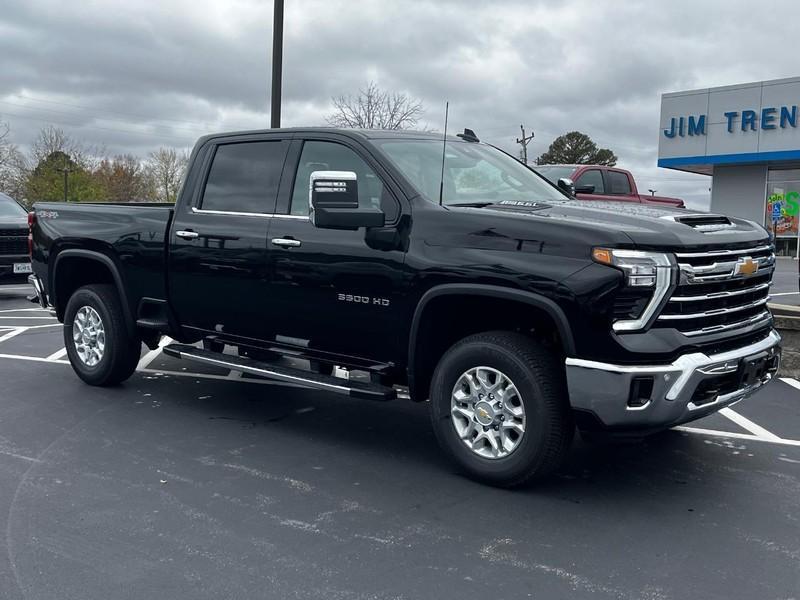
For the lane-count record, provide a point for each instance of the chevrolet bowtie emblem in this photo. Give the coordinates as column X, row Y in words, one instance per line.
column 745, row 266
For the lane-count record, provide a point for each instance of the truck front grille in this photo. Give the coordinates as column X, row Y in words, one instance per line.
column 13, row 241
column 720, row 290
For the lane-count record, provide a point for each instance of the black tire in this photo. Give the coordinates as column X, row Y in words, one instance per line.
column 540, row 381
column 121, row 352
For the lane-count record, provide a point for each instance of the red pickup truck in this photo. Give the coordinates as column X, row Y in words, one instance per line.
column 599, row 182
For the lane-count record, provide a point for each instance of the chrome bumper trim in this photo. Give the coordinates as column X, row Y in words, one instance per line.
column 603, row 388
column 41, row 296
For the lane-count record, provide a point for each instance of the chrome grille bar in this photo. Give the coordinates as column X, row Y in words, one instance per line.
column 714, row 253
column 723, row 294
column 762, row 316
column 715, row 312
column 715, row 293
column 720, row 270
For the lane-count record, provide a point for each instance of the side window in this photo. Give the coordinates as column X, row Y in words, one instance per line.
column 592, row 177
column 244, row 177
column 330, row 156
column 618, row 183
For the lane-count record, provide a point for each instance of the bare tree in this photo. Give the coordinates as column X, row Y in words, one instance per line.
column 53, row 139
column 123, row 179
column 13, row 165
column 165, row 169
column 374, row 108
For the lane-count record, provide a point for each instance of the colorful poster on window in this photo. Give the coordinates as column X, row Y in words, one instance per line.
column 783, row 207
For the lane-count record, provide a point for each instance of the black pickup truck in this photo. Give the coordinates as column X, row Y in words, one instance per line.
column 15, row 260
column 470, row 281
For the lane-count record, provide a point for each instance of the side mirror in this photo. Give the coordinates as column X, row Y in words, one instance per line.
column 565, row 184
column 584, row 189
column 333, row 202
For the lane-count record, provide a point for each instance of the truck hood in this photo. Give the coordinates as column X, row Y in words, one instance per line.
column 14, row 223
column 647, row 226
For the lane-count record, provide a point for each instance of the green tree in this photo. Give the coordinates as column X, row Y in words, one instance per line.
column 576, row 148
column 45, row 182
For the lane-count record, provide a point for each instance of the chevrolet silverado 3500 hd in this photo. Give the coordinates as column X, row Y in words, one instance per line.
column 518, row 311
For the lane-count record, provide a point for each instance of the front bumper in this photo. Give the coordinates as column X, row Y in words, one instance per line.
column 7, row 262
column 620, row 396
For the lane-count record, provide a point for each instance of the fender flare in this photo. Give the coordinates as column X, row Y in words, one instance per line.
column 109, row 263
column 463, row 289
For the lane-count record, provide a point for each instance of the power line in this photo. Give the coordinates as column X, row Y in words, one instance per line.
column 524, row 142
column 94, row 116
column 96, row 128
column 109, row 112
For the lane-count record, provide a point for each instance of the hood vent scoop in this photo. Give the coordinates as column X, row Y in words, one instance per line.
column 704, row 222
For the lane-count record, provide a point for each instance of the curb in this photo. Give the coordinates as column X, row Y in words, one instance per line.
column 787, row 322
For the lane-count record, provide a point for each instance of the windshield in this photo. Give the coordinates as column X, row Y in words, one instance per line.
column 473, row 173
column 554, row 173
column 10, row 209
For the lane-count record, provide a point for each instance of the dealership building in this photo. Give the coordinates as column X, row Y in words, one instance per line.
column 747, row 139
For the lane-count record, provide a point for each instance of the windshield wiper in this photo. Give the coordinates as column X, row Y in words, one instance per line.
column 471, row 204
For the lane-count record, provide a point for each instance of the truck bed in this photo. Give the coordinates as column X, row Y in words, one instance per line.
column 132, row 236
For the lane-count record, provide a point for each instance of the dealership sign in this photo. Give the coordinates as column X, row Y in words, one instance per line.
column 771, row 117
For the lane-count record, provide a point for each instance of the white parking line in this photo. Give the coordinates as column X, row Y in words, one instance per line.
column 13, row 333
column 785, row 294
column 738, row 436
column 57, row 354
column 746, row 423
column 792, row 382
column 16, row 318
column 33, row 359
column 42, row 326
column 145, row 361
column 10, row 310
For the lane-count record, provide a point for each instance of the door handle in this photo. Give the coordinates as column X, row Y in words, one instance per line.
column 187, row 234
column 286, row 242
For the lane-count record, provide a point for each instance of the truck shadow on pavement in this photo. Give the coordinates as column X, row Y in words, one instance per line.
column 398, row 436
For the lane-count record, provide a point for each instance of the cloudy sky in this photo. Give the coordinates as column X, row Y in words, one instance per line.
column 135, row 75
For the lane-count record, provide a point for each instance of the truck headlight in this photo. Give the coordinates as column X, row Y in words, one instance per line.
column 643, row 271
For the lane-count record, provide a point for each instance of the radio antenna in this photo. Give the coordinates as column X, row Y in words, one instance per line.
column 444, row 149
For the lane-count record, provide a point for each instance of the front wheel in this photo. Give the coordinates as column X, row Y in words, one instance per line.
column 500, row 409
column 99, row 347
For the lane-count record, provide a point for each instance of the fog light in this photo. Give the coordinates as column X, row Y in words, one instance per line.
column 641, row 391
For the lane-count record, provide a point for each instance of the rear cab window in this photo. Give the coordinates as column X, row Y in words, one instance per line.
column 618, row 183
column 244, row 177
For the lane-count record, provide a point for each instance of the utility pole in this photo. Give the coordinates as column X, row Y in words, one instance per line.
column 66, row 170
column 277, row 64
column 652, row 192
column 524, row 142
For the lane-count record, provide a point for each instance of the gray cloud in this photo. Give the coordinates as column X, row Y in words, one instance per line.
column 133, row 76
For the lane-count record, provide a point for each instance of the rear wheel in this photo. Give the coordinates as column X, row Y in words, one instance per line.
column 98, row 344
column 500, row 409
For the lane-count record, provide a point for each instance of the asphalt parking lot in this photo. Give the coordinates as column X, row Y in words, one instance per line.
column 200, row 484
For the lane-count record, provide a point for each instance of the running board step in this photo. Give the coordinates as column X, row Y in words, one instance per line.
column 354, row 389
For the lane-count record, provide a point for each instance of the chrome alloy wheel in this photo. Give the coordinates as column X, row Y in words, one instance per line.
column 487, row 412
column 89, row 336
